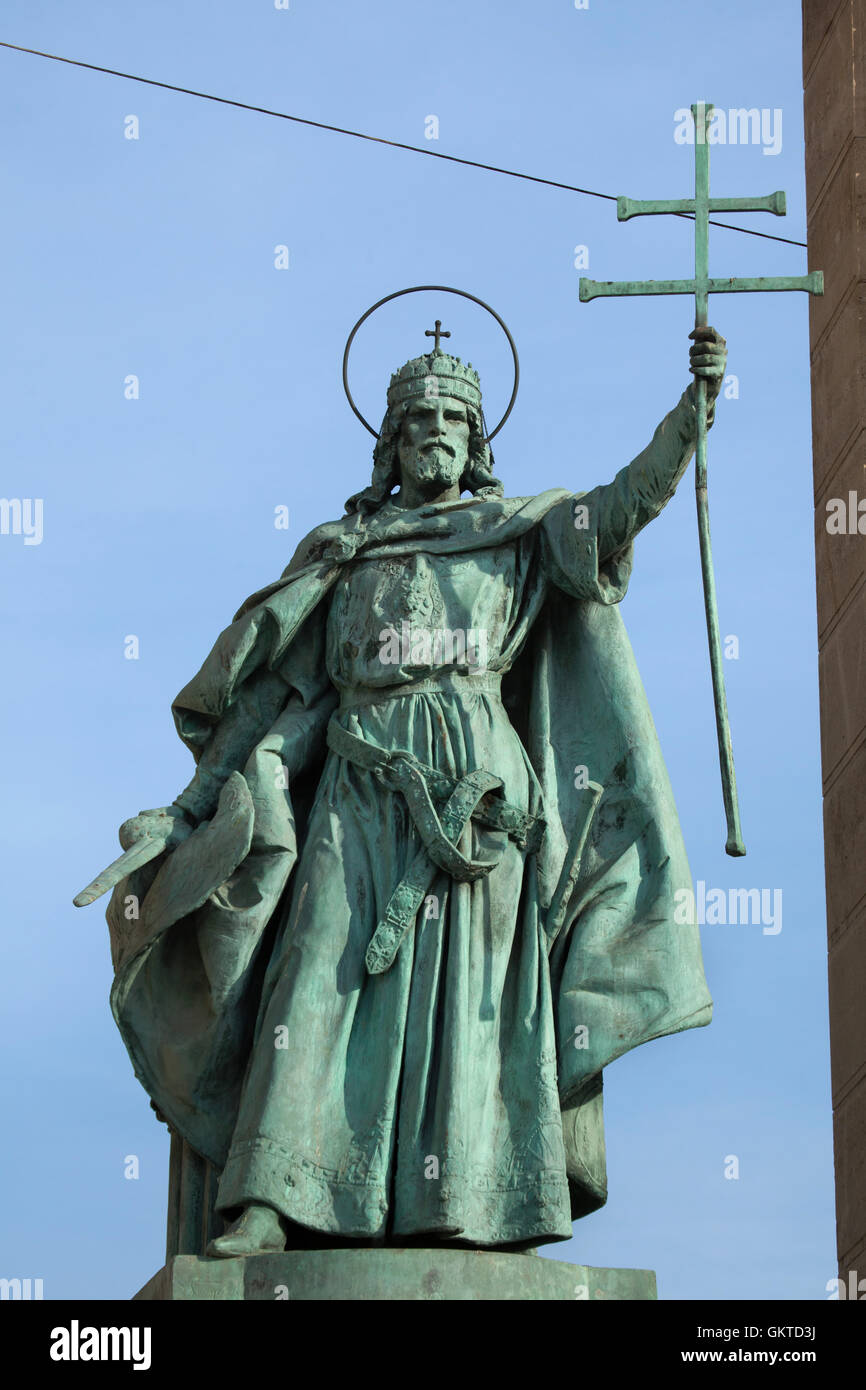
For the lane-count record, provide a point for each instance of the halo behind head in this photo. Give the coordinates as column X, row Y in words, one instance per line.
column 453, row 364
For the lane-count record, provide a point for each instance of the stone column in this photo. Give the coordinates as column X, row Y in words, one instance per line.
column 834, row 80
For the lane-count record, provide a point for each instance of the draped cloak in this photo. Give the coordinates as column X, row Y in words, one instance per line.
column 192, row 981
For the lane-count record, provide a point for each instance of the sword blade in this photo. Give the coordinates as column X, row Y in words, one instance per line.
column 135, row 857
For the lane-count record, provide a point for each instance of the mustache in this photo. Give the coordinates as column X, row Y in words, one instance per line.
column 446, row 448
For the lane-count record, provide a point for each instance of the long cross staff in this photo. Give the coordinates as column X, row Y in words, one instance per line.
column 701, row 287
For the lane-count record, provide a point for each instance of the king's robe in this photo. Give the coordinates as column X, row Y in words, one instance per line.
column 457, row 1094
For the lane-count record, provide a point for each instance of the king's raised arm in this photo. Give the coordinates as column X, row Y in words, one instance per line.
column 640, row 490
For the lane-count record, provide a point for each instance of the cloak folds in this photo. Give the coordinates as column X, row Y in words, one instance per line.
column 190, row 968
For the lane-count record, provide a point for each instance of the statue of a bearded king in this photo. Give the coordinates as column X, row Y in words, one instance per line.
column 420, row 891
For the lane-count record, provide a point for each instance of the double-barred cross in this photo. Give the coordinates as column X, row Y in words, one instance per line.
column 702, row 286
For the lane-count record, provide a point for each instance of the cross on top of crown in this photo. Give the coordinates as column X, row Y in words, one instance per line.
column 437, row 333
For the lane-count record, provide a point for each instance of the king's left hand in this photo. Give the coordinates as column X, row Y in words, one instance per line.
column 707, row 358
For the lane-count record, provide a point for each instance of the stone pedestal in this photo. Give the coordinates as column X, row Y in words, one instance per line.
column 390, row 1274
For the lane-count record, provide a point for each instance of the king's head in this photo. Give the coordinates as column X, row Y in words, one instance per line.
column 432, row 440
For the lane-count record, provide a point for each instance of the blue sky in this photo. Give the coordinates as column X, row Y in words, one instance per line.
column 155, row 258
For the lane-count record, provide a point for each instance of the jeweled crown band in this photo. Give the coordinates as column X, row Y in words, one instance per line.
column 435, row 374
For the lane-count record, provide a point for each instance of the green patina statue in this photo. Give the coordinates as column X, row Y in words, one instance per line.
column 420, row 891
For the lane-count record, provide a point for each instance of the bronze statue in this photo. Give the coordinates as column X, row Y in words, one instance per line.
column 372, row 961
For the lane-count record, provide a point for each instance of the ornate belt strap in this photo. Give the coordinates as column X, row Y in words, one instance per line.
column 525, row 829
column 403, row 905
column 467, row 798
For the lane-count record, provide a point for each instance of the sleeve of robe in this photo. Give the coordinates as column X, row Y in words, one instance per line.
column 587, row 539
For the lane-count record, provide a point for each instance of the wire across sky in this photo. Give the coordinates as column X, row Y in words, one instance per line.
column 375, row 139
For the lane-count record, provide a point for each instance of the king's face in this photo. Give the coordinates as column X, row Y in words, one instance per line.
column 433, row 447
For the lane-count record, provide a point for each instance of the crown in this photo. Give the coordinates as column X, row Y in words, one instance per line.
column 435, row 374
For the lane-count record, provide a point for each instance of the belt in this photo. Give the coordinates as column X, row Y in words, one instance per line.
column 472, row 797
column 474, row 682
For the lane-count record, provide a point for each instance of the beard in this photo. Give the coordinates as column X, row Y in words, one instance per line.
column 437, row 466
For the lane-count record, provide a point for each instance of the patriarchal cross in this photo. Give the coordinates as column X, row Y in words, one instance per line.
column 701, row 287
column 436, row 332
